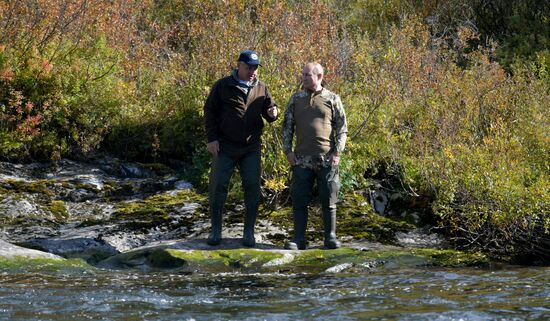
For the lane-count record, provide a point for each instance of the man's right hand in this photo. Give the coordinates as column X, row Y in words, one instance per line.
column 213, row 147
column 291, row 158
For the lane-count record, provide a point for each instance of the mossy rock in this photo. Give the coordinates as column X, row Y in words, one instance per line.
column 211, row 261
column 35, row 187
column 136, row 216
column 156, row 210
column 143, row 259
column 283, row 261
column 357, row 219
column 58, row 210
column 226, row 260
column 27, row 264
column 323, row 259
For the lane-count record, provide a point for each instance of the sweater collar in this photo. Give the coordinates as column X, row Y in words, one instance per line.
column 315, row 92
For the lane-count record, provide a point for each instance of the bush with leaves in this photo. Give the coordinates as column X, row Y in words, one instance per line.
column 463, row 130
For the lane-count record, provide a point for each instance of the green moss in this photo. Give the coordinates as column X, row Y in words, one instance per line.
column 86, row 186
column 247, row 257
column 357, row 219
column 156, row 210
column 114, row 191
column 66, row 184
column 184, row 196
column 307, row 261
column 165, row 259
column 109, row 186
column 223, row 259
column 37, row 187
column 21, row 263
column 322, row 259
column 195, row 260
column 137, row 215
column 58, row 209
column 31, row 220
column 282, row 217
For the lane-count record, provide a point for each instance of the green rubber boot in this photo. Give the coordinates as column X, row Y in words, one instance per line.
column 300, row 225
column 248, row 232
column 329, row 222
column 215, row 236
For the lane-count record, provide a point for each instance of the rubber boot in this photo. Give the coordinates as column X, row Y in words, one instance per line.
column 300, row 225
column 248, row 232
column 329, row 222
column 215, row 237
column 250, row 169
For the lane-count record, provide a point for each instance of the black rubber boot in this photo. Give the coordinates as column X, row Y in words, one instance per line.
column 215, row 237
column 300, row 225
column 248, row 232
column 329, row 222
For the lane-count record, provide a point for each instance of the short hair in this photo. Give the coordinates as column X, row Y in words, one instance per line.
column 316, row 68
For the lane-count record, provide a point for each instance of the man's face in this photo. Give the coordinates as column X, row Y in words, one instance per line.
column 247, row 72
column 310, row 80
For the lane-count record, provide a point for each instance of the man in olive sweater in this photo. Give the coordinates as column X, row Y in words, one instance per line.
column 233, row 119
column 317, row 117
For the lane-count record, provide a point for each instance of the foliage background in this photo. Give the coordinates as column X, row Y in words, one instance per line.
column 447, row 101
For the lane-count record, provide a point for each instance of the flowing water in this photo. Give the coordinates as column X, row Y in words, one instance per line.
column 513, row 293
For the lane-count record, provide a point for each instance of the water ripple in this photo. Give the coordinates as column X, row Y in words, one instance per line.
column 408, row 294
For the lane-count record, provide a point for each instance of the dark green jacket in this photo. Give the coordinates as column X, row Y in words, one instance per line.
column 233, row 114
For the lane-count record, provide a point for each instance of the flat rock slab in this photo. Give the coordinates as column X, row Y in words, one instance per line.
column 195, row 256
column 89, row 249
column 17, row 259
column 8, row 250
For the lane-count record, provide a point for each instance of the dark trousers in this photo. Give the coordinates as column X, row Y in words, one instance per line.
column 328, row 183
column 249, row 163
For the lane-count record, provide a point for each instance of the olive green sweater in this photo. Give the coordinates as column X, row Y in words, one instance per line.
column 319, row 122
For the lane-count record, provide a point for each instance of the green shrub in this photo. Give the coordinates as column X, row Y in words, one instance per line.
column 52, row 109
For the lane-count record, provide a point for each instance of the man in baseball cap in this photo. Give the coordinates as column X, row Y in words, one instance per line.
column 234, row 115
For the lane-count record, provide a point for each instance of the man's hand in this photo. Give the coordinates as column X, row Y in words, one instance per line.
column 291, row 158
column 334, row 160
column 213, row 147
column 273, row 112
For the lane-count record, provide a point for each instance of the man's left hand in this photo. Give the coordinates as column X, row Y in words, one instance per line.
column 272, row 112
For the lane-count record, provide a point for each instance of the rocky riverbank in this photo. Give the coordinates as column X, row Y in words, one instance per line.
column 117, row 214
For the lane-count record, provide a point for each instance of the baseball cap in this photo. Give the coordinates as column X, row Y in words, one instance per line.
column 249, row 57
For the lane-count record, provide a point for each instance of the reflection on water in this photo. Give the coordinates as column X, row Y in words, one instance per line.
column 411, row 294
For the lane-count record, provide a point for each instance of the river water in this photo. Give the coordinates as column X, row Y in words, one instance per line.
column 511, row 293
